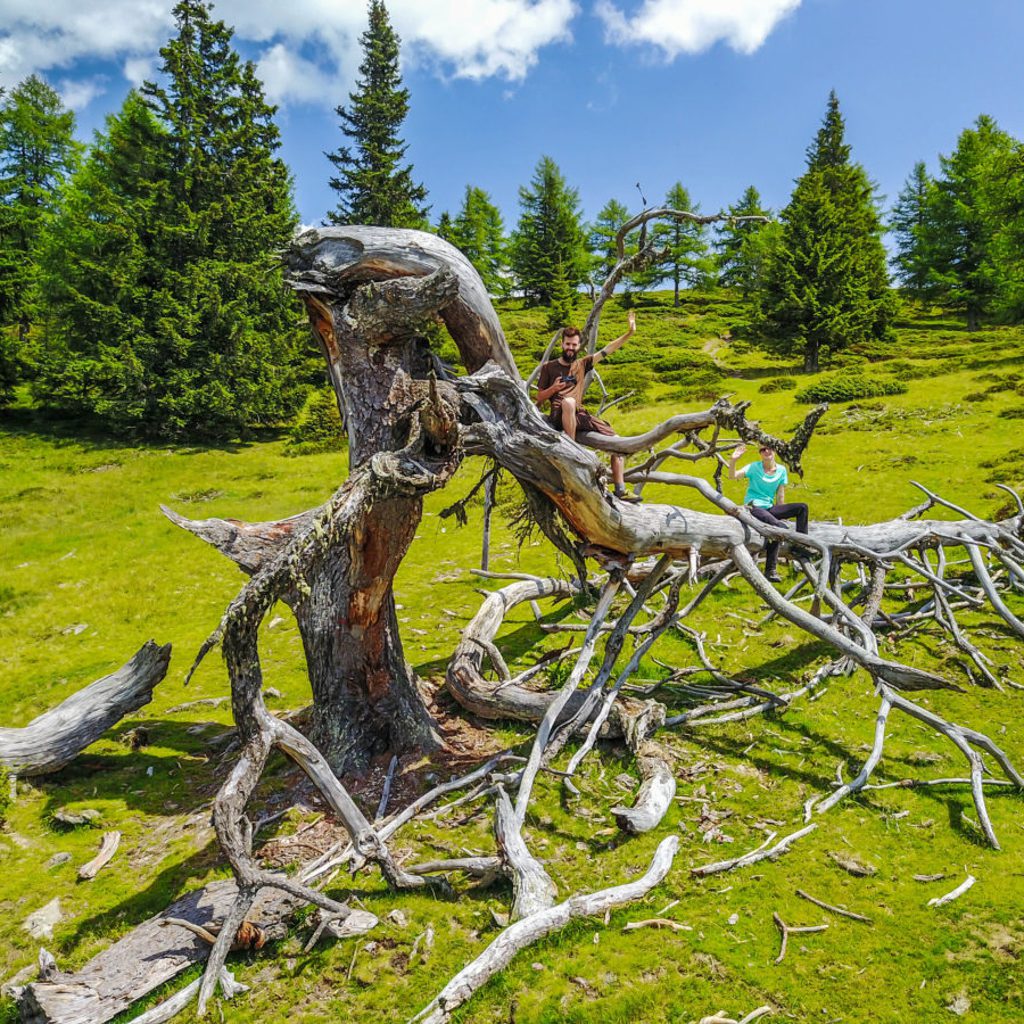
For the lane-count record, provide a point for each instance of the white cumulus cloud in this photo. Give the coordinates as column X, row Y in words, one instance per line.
column 691, row 26
column 307, row 51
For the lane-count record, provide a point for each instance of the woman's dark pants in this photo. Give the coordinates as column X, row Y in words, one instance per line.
column 773, row 517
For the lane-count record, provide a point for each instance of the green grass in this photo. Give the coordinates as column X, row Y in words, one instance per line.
column 84, row 543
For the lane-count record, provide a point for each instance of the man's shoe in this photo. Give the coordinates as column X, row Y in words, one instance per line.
column 625, row 495
column 773, row 577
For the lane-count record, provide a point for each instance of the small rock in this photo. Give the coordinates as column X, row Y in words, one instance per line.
column 624, row 781
column 40, row 924
column 275, row 621
column 397, row 917
column 960, row 1005
column 75, row 818
column 56, row 860
column 924, row 757
column 74, row 630
column 359, row 922
column 537, row 966
column 272, row 692
column 733, row 918
column 499, row 918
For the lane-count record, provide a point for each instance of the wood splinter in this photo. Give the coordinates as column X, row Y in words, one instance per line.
column 248, row 937
column 938, row 901
column 656, row 922
column 788, row 930
column 833, row 910
column 108, row 847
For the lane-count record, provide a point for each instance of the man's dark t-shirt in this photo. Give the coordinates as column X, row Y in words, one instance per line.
column 579, row 368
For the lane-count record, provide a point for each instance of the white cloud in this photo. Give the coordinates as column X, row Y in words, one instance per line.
column 78, row 93
column 307, row 50
column 690, row 26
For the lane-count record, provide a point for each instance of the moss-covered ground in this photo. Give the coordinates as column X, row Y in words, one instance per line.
column 89, row 569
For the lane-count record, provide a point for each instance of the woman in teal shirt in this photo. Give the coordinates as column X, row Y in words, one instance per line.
column 766, row 499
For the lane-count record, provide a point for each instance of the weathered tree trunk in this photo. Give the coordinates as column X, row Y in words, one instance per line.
column 53, row 739
column 365, row 697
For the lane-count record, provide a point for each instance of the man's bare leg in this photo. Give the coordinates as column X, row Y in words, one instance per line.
column 619, row 479
column 569, row 417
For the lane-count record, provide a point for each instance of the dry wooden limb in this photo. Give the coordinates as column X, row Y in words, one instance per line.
column 532, row 888
column 656, row 922
column 955, row 894
column 57, row 736
column 763, row 852
column 786, row 930
column 108, row 847
column 558, row 705
column 833, row 910
column 147, row 957
column 529, row 930
column 857, row 784
column 173, row 1005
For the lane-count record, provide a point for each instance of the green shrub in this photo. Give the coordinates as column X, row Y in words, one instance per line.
column 318, row 427
column 847, row 386
column 1016, row 413
column 769, row 387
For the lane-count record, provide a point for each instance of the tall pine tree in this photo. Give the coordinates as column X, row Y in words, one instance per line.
column 479, row 231
column 826, row 285
column 37, row 152
column 547, row 252
column 210, row 340
column 743, row 245
column 372, row 184
column 912, row 225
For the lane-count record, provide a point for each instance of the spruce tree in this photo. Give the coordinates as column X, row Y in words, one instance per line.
column 912, row 225
column 966, row 218
column 37, row 152
column 743, row 245
column 826, row 285
column 548, row 242
column 372, row 184
column 210, row 340
column 479, row 231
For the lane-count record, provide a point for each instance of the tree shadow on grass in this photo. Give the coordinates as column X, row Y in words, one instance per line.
column 88, row 433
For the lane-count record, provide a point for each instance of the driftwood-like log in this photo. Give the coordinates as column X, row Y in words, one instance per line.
column 144, row 959
column 57, row 736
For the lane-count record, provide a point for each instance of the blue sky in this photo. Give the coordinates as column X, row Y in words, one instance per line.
column 717, row 94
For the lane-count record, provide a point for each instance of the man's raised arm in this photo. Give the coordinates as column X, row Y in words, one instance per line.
column 613, row 346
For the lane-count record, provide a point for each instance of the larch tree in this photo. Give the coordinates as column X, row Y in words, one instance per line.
column 826, row 283
column 965, row 207
column 601, row 243
column 682, row 246
column 912, row 227
column 479, row 231
column 548, row 242
column 373, row 182
column 742, row 245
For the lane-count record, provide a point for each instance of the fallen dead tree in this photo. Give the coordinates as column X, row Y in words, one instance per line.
column 411, row 421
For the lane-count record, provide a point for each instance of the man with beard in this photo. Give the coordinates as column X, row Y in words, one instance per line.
column 562, row 382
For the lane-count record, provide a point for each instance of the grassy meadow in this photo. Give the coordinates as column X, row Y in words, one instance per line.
column 89, row 569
